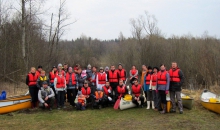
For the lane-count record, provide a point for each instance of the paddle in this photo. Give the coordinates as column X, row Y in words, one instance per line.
column 117, row 103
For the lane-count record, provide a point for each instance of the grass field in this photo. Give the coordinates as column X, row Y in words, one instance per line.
column 109, row 119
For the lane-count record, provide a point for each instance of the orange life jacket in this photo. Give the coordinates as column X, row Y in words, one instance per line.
column 113, row 76
column 60, row 82
column 174, row 75
column 148, row 76
column 161, row 78
column 154, row 79
column 86, row 91
column 106, row 90
column 121, row 91
column 136, row 90
column 32, row 79
column 98, row 95
column 122, row 74
column 73, row 78
column 133, row 72
column 81, row 99
column 52, row 76
column 101, row 78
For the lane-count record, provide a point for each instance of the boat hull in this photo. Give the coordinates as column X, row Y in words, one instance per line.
column 215, row 107
column 126, row 104
column 15, row 103
column 188, row 103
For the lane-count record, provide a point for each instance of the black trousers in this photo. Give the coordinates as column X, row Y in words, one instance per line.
column 101, row 102
column 114, row 87
column 50, row 102
column 60, row 98
column 33, row 90
column 136, row 102
column 162, row 96
column 71, row 95
column 52, row 86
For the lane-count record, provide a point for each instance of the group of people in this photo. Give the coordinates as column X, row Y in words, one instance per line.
column 86, row 87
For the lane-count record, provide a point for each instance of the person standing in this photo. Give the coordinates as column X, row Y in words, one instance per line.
column 121, row 72
column 72, row 84
column 113, row 78
column 152, row 87
column 133, row 74
column 60, row 68
column 65, row 68
column 137, row 93
column 144, row 71
column 93, row 79
column 42, row 78
column 106, row 70
column 163, row 83
column 39, row 68
column 89, row 72
column 176, row 81
column 81, row 76
column 60, row 87
column 46, row 96
column 147, row 90
column 52, row 75
column 101, row 78
column 31, row 81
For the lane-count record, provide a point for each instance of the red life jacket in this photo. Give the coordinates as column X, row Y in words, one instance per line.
column 32, row 79
column 161, row 78
column 174, row 75
column 52, row 76
column 121, row 91
column 122, row 74
column 113, row 76
column 60, row 82
column 133, row 72
column 38, row 72
column 86, row 91
column 136, row 90
column 148, row 76
column 106, row 90
column 98, row 96
column 101, row 78
column 154, row 79
column 73, row 78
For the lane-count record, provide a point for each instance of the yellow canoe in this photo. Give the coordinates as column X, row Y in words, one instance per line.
column 15, row 103
column 206, row 101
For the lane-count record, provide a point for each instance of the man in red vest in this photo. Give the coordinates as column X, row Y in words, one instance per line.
column 99, row 98
column 176, row 81
column 31, row 81
column 107, row 89
column 87, row 92
column 113, row 78
column 121, row 72
column 121, row 90
column 137, row 93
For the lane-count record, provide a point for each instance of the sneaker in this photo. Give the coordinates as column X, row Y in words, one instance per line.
column 172, row 111
column 181, row 112
column 58, row 108
column 64, row 107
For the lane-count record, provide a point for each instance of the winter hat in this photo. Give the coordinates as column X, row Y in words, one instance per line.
column 83, row 74
column 60, row 65
column 106, row 68
column 89, row 66
column 39, row 67
column 70, row 68
column 101, row 68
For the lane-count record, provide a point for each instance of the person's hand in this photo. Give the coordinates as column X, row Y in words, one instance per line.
column 109, row 98
column 109, row 91
column 138, row 99
column 45, row 104
column 166, row 92
column 87, row 96
column 46, row 98
column 156, row 91
column 135, row 98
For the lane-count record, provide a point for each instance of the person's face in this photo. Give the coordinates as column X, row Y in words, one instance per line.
column 150, row 70
column 79, row 71
column 60, row 67
column 112, row 67
column 93, row 69
column 174, row 65
column 144, row 67
column 65, row 66
column 33, row 70
column 101, row 70
column 107, row 84
column 120, row 83
column 70, row 70
column 135, row 82
column 133, row 67
column 39, row 69
column 45, row 85
column 54, row 69
column 155, row 70
column 42, row 74
column 85, row 85
column 120, row 67
column 162, row 67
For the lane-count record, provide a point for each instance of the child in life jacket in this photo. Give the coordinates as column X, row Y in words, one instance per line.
column 81, row 101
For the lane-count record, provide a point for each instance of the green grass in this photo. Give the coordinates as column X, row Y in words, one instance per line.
column 108, row 118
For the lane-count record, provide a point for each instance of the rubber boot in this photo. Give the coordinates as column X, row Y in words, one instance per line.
column 164, row 109
column 152, row 104
column 148, row 105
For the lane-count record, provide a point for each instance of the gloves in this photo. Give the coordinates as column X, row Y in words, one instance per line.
column 156, row 91
column 109, row 91
column 109, row 98
column 166, row 92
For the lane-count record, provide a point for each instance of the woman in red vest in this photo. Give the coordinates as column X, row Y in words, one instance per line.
column 121, row 90
column 101, row 78
column 163, row 83
column 107, row 89
column 87, row 92
column 60, row 87
column 31, row 81
column 147, row 90
column 137, row 93
column 52, row 75
column 133, row 74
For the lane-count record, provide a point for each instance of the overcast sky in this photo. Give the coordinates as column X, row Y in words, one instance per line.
column 105, row 19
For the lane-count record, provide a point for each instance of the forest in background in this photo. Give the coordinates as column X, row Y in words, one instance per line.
column 26, row 41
